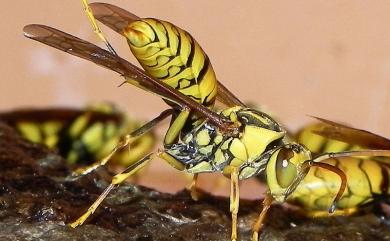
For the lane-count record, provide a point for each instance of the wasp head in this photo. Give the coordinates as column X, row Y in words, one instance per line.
column 285, row 169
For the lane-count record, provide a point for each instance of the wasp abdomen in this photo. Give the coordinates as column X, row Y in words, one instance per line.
column 172, row 55
column 366, row 180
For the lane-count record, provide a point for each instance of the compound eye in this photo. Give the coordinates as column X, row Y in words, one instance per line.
column 285, row 170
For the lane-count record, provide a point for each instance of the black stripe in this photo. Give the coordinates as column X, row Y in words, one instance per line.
column 211, row 101
column 202, row 72
column 156, row 39
column 166, row 33
column 385, row 180
column 192, row 51
column 324, row 144
column 179, row 45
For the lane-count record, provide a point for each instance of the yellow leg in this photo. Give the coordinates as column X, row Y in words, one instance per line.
column 260, row 220
column 116, row 180
column 127, row 140
column 320, row 214
column 95, row 26
column 122, row 144
column 234, row 200
column 176, row 127
column 194, row 191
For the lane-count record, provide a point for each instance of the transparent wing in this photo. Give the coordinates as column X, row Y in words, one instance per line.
column 83, row 49
column 112, row 16
column 340, row 132
column 118, row 19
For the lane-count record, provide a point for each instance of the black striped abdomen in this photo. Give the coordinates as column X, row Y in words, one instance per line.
column 170, row 54
column 366, row 179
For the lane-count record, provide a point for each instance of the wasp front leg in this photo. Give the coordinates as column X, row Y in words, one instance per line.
column 261, row 218
column 234, row 200
column 171, row 136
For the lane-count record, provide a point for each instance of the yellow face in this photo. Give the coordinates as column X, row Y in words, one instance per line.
column 284, row 168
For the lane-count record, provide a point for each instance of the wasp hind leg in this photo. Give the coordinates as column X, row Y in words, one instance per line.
column 116, row 180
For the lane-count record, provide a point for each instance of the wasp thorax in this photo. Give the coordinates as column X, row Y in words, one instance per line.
column 139, row 34
column 259, row 132
column 284, row 168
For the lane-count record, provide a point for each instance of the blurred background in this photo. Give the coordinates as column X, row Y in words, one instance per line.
column 295, row 58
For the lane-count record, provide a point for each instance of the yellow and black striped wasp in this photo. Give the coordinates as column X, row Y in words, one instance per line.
column 238, row 141
column 368, row 177
column 81, row 135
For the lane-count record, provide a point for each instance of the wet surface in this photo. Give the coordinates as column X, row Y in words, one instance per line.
column 38, row 198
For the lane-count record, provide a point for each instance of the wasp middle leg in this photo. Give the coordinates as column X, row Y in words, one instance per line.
column 127, row 140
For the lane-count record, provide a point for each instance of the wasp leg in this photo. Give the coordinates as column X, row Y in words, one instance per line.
column 95, row 26
column 234, row 200
column 176, row 126
column 260, row 219
column 194, row 191
column 116, row 180
column 321, row 214
column 378, row 210
column 170, row 137
column 128, row 139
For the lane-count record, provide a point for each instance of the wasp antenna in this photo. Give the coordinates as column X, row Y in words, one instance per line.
column 332, row 207
column 124, row 82
column 343, row 183
column 327, row 156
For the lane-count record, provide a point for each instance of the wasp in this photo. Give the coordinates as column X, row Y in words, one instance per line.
column 238, row 141
column 368, row 177
column 82, row 136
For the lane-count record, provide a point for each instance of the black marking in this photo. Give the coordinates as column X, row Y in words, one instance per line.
column 180, row 82
column 273, row 144
column 211, row 101
column 249, row 119
column 323, row 145
column 205, row 67
column 192, row 51
column 348, row 147
column 385, row 179
column 156, row 39
column 166, row 32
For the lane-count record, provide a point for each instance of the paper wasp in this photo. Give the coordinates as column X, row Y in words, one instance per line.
column 367, row 176
column 239, row 142
column 82, row 136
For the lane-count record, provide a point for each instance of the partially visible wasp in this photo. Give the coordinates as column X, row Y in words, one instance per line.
column 239, row 142
column 82, row 136
column 368, row 178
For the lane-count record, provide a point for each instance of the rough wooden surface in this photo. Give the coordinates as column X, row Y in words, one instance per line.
column 38, row 198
